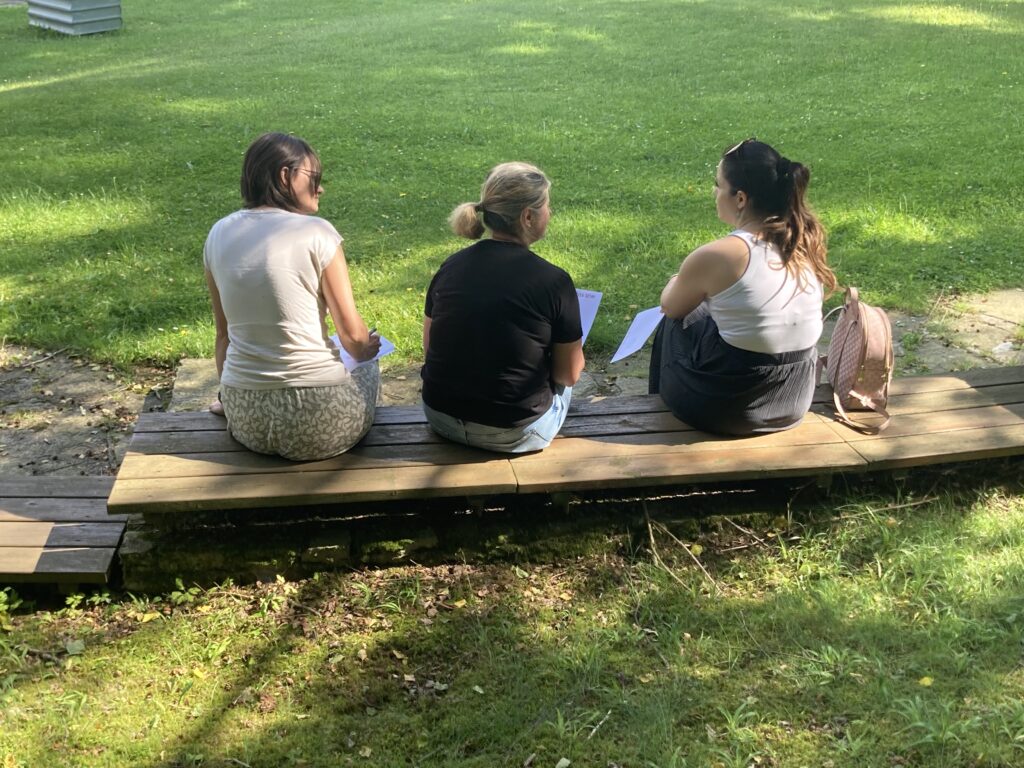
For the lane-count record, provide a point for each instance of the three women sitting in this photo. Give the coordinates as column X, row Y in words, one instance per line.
column 502, row 333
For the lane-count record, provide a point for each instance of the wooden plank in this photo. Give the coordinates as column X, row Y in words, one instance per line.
column 813, row 433
column 622, row 424
column 240, row 491
column 55, row 486
column 400, row 414
column 924, row 449
column 35, row 534
column 631, row 470
column 179, row 421
column 137, row 465
column 985, row 377
column 56, row 510
column 941, row 424
column 950, row 400
column 185, row 421
column 182, row 442
column 597, row 406
column 64, row 564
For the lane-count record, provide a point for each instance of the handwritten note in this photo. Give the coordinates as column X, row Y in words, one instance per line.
column 640, row 330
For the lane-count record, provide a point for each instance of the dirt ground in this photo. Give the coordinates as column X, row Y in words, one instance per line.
column 61, row 414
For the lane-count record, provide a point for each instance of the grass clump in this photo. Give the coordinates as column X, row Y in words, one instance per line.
column 882, row 630
column 907, row 115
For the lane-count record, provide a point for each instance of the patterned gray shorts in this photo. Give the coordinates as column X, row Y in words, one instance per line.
column 304, row 423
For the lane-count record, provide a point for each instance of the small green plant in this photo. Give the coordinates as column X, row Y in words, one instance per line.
column 1011, row 724
column 740, row 749
column 9, row 602
column 934, row 725
column 99, row 598
column 73, row 603
column 183, row 596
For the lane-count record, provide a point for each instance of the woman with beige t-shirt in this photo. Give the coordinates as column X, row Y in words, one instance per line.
column 274, row 271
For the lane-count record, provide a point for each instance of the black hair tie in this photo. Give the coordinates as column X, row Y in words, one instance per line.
column 783, row 167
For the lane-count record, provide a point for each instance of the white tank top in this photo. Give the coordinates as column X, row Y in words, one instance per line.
column 766, row 310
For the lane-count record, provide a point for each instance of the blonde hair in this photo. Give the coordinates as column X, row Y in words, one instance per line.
column 510, row 189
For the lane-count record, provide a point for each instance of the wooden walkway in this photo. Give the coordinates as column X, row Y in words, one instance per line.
column 181, row 462
column 56, row 529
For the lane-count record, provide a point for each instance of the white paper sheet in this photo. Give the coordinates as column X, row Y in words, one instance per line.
column 386, row 348
column 589, row 302
column 640, row 330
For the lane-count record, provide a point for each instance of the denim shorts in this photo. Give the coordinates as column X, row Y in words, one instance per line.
column 534, row 436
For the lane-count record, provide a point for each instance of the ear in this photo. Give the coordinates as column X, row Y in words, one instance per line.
column 741, row 199
column 526, row 219
column 285, row 176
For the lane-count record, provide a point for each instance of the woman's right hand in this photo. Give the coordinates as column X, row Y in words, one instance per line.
column 367, row 350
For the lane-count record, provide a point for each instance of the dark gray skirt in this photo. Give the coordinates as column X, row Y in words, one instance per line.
column 716, row 387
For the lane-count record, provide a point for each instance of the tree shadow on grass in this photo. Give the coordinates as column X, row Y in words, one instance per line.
column 617, row 661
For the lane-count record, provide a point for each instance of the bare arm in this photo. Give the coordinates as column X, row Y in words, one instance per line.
column 352, row 331
column 220, row 323
column 707, row 271
column 426, row 334
column 567, row 363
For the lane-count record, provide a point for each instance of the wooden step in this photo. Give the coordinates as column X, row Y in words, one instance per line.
column 56, row 529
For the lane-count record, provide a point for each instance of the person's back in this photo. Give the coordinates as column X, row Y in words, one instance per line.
column 274, row 270
column 267, row 265
column 501, row 333
column 736, row 353
column 491, row 332
column 768, row 309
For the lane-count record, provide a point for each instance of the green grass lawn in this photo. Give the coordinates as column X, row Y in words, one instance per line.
column 119, row 151
column 872, row 631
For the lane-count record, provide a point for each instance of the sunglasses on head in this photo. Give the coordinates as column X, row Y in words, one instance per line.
column 738, row 147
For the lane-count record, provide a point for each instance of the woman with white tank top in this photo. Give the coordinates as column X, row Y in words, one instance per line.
column 736, row 352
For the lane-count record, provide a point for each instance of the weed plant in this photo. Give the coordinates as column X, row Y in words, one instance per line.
column 867, row 631
column 120, row 150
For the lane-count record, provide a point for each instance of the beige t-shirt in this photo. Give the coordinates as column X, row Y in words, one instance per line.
column 267, row 266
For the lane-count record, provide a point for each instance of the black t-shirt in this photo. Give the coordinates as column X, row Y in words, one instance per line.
column 496, row 309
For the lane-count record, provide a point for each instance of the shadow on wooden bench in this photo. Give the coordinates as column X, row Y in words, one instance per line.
column 181, row 462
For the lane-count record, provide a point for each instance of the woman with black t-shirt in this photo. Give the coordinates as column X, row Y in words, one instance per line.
column 501, row 332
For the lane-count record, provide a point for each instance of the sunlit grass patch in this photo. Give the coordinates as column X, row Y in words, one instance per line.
column 942, row 15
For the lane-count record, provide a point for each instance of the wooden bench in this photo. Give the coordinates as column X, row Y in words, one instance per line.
column 56, row 529
column 181, row 462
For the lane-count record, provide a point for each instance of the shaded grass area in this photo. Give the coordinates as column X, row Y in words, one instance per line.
column 880, row 629
column 120, row 150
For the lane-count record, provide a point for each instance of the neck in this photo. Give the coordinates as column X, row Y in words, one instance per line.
column 507, row 238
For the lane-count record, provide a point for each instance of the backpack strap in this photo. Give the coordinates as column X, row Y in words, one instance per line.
column 844, row 417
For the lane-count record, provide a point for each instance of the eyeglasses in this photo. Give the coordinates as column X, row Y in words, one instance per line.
column 313, row 176
column 739, row 146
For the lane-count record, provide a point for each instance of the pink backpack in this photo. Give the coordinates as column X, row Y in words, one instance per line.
column 859, row 361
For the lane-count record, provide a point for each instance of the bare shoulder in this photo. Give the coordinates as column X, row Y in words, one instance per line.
column 725, row 256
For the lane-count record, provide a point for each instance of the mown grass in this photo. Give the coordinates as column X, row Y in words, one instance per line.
column 871, row 631
column 120, row 150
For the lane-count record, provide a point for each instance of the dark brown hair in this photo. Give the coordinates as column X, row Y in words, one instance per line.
column 261, row 170
column 776, row 187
